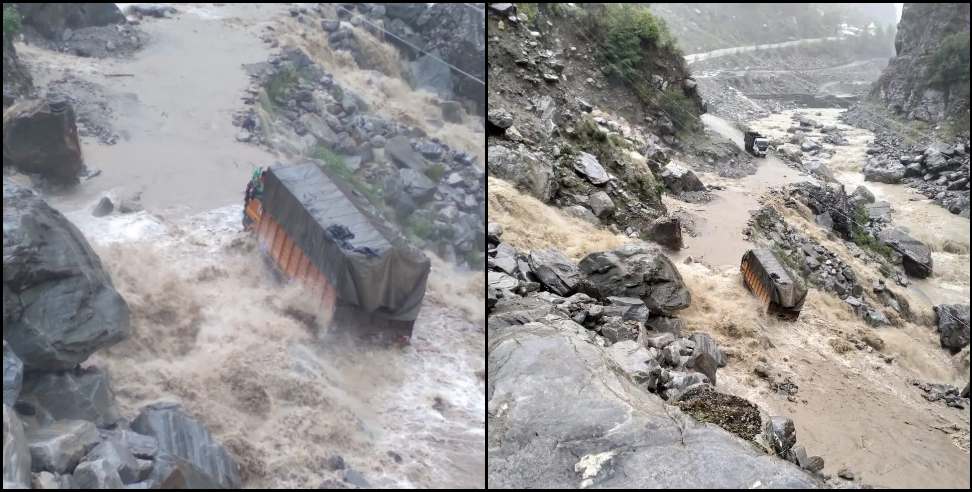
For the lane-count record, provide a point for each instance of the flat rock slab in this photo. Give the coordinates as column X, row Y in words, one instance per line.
column 587, row 165
column 543, row 432
column 83, row 394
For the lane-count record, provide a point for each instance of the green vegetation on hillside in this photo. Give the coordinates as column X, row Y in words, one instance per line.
column 950, row 64
column 11, row 20
column 629, row 36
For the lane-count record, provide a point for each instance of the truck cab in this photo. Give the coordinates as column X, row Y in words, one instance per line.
column 756, row 144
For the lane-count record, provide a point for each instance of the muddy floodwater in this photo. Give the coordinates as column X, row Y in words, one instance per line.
column 213, row 329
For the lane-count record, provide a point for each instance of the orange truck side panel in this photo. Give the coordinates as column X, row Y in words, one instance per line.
column 290, row 259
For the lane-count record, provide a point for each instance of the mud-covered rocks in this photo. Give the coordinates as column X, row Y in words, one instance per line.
column 41, row 137
column 66, row 304
column 945, row 393
column 13, row 375
column 59, row 446
column 916, row 255
column 952, row 321
column 182, row 436
column 80, row 394
column 16, row 454
column 635, row 271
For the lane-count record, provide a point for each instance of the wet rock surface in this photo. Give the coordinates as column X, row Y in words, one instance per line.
column 66, row 305
column 40, row 137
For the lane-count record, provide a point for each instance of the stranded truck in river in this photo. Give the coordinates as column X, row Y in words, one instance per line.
column 756, row 144
column 366, row 278
column 781, row 291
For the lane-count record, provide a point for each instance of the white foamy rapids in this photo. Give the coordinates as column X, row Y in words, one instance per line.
column 213, row 330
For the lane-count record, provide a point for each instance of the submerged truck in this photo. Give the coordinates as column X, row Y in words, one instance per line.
column 781, row 291
column 365, row 277
column 756, row 144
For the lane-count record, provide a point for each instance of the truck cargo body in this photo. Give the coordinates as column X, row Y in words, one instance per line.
column 768, row 278
column 365, row 277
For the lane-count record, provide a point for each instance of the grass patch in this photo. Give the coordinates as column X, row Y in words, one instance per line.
column 419, row 226
column 435, row 172
column 11, row 20
column 336, row 166
column 864, row 239
column 280, row 83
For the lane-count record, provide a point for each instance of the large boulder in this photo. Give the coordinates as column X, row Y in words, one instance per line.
column 97, row 474
column 916, row 255
column 523, row 169
column 50, row 20
column 59, row 447
column 884, row 171
column 953, row 325
column 66, row 305
column 635, row 271
column 13, row 375
column 666, row 231
column 82, row 394
column 544, row 432
column 41, row 137
column 16, row 455
column 184, row 437
column 679, row 178
column 557, row 273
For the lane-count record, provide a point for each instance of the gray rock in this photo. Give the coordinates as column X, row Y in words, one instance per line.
column 587, row 165
column 16, row 454
column 501, row 281
column 614, row 329
column 679, row 179
column 69, row 305
column 601, row 204
column 500, row 118
column 355, row 478
column 659, row 341
column 634, row 309
column 173, row 472
column 781, row 434
column 59, row 447
column 875, row 317
column 429, row 72
column 884, row 171
column 965, row 392
column 554, row 270
column 41, row 137
column 878, row 211
column 917, row 259
column 13, row 375
column 103, row 208
column 634, row 271
column 141, row 446
column 82, row 394
column 524, row 169
column 665, row 324
column 120, row 461
column 634, row 360
column 706, row 356
column 952, row 321
column 544, row 431
column 97, row 474
column 494, row 232
column 182, row 436
column 666, row 231
column 400, row 151
column 579, row 212
column 416, row 185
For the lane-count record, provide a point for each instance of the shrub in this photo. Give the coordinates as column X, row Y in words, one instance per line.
column 435, row 172
column 280, row 83
column 950, row 63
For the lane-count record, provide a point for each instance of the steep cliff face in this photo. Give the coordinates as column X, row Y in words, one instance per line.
column 928, row 80
column 16, row 79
